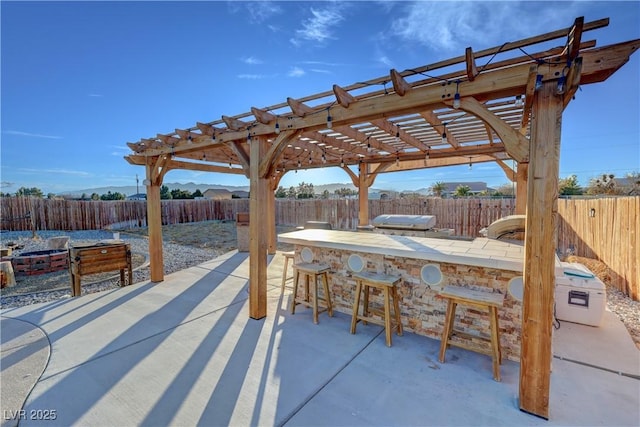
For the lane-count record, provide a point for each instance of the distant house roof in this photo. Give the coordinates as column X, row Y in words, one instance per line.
column 240, row 194
column 476, row 187
column 217, row 193
column 139, row 196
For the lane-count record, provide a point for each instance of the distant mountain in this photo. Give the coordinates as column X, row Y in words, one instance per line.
column 129, row 190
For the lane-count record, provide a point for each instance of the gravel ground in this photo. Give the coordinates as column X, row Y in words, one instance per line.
column 187, row 245
column 176, row 257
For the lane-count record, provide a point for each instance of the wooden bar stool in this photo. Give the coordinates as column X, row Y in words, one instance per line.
column 478, row 299
column 287, row 256
column 311, row 272
column 387, row 285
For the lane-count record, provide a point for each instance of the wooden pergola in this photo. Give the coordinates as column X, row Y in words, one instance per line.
column 453, row 112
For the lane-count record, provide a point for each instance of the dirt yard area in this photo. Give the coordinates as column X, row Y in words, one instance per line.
column 207, row 234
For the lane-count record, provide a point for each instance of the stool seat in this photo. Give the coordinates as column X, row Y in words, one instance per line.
column 287, row 256
column 472, row 296
column 311, row 272
column 387, row 284
column 312, row 268
column 489, row 301
column 377, row 278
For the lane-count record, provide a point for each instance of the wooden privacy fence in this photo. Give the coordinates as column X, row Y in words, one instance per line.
column 610, row 235
column 466, row 216
column 605, row 229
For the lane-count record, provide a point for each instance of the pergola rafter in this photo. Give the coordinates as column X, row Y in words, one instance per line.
column 507, row 108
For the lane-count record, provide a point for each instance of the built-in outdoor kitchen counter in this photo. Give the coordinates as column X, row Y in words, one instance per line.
column 480, row 263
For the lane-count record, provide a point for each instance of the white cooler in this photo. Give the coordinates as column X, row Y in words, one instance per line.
column 580, row 299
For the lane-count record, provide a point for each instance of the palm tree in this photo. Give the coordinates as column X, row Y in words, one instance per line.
column 462, row 191
column 438, row 188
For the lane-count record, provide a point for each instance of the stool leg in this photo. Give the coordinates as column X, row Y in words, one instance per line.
column 498, row 334
column 365, row 304
column 448, row 326
column 356, row 306
column 296, row 279
column 495, row 343
column 387, row 317
column 307, row 277
column 396, row 310
column 284, row 273
column 327, row 294
column 314, row 285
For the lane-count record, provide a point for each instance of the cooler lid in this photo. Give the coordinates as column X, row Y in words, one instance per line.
column 578, row 276
column 594, row 283
column 577, row 270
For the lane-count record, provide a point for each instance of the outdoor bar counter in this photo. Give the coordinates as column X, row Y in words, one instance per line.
column 481, row 264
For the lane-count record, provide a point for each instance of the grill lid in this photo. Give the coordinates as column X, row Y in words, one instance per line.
column 405, row 222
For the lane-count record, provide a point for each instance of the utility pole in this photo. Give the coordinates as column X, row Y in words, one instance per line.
column 137, row 188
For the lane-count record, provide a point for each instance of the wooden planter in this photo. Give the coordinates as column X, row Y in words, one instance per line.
column 99, row 258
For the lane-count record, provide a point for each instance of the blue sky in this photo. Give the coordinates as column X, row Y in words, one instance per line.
column 81, row 79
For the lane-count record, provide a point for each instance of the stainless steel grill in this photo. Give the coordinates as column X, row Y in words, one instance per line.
column 409, row 225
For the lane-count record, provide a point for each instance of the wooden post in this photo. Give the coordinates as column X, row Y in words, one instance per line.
column 154, row 222
column 258, row 224
column 521, row 188
column 540, row 246
column 363, row 195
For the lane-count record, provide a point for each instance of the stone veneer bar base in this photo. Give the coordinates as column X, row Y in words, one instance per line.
column 422, row 309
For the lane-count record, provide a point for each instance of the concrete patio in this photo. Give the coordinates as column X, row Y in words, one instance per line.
column 184, row 352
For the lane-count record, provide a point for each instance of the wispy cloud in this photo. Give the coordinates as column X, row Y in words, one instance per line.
column 257, row 11
column 319, row 27
column 455, row 25
column 251, row 76
column 95, row 95
column 384, row 59
column 260, row 11
column 55, row 171
column 30, row 134
column 318, row 70
column 252, row 60
column 296, row 72
column 120, row 150
column 325, row 63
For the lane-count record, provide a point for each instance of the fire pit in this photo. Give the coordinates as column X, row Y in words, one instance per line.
column 40, row 262
column 410, row 225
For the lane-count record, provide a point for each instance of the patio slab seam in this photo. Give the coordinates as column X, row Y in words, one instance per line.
column 18, row 396
column 602, row 368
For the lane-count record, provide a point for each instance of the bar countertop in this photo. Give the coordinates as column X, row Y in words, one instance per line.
column 479, row 252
